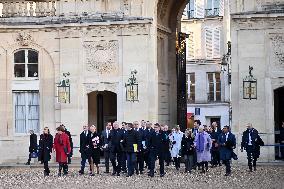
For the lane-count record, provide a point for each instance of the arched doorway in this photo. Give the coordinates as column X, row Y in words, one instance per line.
column 169, row 13
column 102, row 108
column 278, row 117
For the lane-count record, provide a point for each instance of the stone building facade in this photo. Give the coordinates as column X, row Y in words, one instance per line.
column 257, row 40
column 207, row 25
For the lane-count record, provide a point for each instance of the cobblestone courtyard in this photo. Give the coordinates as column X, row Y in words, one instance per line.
column 265, row 177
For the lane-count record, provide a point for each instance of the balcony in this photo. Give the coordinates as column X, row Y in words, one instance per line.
column 212, row 12
column 23, row 8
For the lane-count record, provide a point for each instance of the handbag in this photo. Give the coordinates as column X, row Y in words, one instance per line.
column 34, row 155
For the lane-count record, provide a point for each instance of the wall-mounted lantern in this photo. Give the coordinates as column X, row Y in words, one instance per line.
column 250, row 86
column 132, row 87
column 63, row 89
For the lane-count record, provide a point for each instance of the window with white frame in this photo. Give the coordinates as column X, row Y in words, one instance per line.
column 214, row 87
column 26, row 64
column 214, row 8
column 190, row 87
column 190, row 54
column 26, row 111
column 212, row 42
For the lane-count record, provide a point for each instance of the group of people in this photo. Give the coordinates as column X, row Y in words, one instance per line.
column 133, row 148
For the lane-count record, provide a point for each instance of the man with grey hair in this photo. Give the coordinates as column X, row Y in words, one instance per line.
column 251, row 142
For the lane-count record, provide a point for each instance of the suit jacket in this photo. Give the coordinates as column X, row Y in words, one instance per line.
column 245, row 138
column 105, row 138
column 156, row 142
column 84, row 144
column 147, row 134
column 226, row 147
column 33, row 143
column 115, row 138
column 131, row 137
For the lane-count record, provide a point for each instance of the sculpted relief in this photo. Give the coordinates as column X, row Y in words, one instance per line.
column 277, row 42
column 101, row 57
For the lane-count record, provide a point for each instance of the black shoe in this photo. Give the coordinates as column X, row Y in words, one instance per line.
column 113, row 174
column 123, row 172
column 92, row 174
column 227, row 174
column 81, row 172
column 59, row 174
column 118, row 174
column 137, row 172
column 151, row 175
column 28, row 163
column 106, row 172
column 141, row 173
column 128, row 175
column 254, row 168
column 162, row 175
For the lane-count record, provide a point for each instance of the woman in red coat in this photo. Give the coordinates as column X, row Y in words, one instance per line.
column 62, row 148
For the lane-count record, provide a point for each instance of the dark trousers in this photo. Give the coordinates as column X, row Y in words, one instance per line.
column 153, row 157
column 131, row 162
column 188, row 160
column 46, row 168
column 177, row 162
column 147, row 158
column 123, row 161
column 140, row 161
column 215, row 157
column 168, row 157
column 195, row 164
column 116, row 161
column 251, row 156
column 63, row 166
column 228, row 166
column 83, row 162
column 106, row 156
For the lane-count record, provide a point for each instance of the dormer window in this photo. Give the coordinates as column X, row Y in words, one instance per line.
column 26, row 64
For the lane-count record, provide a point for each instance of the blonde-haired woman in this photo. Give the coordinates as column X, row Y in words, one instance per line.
column 95, row 145
column 45, row 149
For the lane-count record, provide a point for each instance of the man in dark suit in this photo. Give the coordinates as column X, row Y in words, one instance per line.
column 216, row 131
column 105, row 140
column 167, row 132
column 227, row 142
column 33, row 145
column 140, row 155
column 84, row 148
column 115, row 143
column 156, row 145
column 123, row 159
column 251, row 143
column 147, row 133
column 132, row 145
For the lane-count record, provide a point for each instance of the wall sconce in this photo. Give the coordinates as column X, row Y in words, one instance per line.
column 132, row 88
column 250, row 86
column 63, row 89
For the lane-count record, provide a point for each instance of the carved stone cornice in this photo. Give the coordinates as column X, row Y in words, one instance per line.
column 102, row 86
column 24, row 38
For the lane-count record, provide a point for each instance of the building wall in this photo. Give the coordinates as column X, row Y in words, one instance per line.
column 99, row 55
column 257, row 40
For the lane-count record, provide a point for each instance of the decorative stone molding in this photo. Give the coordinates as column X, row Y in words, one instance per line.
column 24, row 38
column 102, row 86
column 101, row 57
column 278, row 47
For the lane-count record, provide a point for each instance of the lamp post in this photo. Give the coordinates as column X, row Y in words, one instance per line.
column 63, row 89
column 250, row 86
column 132, row 87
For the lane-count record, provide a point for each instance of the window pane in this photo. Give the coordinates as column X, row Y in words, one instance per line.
column 217, row 77
column 218, row 96
column 19, row 70
column 19, row 57
column 210, row 77
column 33, row 114
column 20, row 112
column 32, row 70
column 33, row 56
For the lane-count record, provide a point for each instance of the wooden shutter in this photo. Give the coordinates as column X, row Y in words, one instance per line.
column 209, row 43
column 190, row 46
column 216, row 42
column 221, row 8
column 199, row 8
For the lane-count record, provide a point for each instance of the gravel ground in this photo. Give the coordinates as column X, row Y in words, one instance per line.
column 265, row 177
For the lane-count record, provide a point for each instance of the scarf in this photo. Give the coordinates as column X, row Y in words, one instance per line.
column 200, row 142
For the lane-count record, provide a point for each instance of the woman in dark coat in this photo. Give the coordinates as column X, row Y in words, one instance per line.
column 45, row 149
column 62, row 148
column 187, row 149
column 33, row 146
column 95, row 146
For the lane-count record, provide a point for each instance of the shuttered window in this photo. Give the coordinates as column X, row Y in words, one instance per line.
column 190, row 46
column 190, row 87
column 214, row 87
column 212, row 42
